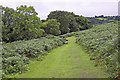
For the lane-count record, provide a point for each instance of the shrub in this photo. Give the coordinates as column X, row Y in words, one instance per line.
column 101, row 42
column 16, row 54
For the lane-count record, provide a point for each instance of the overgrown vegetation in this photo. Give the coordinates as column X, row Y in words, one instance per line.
column 25, row 36
column 17, row 54
column 101, row 42
column 67, row 61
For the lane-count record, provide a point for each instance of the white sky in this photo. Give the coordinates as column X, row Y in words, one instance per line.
column 79, row 7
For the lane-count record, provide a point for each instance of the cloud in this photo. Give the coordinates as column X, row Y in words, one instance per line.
column 80, row 7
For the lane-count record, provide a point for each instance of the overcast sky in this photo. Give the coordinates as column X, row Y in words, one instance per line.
column 86, row 8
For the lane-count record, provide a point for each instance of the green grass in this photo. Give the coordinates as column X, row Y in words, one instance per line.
column 67, row 61
column 101, row 18
column 111, row 20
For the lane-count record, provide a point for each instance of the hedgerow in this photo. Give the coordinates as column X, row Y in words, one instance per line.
column 101, row 43
column 16, row 55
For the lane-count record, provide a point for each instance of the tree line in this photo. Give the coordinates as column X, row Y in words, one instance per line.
column 104, row 19
column 24, row 24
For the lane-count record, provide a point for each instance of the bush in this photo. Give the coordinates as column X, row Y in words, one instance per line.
column 102, row 44
column 16, row 54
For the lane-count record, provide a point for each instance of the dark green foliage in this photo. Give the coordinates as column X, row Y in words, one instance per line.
column 69, row 22
column 7, row 27
column 73, row 25
column 27, row 24
column 61, row 17
column 21, row 24
column 51, row 27
column 83, row 22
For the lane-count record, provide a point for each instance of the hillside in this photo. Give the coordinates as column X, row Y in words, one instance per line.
column 64, row 45
column 101, row 43
column 67, row 61
column 98, row 44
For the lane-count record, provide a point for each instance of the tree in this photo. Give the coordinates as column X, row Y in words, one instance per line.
column 52, row 27
column 27, row 23
column 62, row 17
column 21, row 24
column 69, row 22
column 7, row 20
column 73, row 26
column 84, row 22
column 66, row 19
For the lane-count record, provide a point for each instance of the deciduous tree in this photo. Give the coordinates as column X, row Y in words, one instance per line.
column 51, row 27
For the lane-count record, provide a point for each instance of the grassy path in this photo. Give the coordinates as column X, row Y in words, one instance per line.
column 67, row 61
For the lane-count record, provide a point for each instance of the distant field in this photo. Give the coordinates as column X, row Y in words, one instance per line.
column 101, row 18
